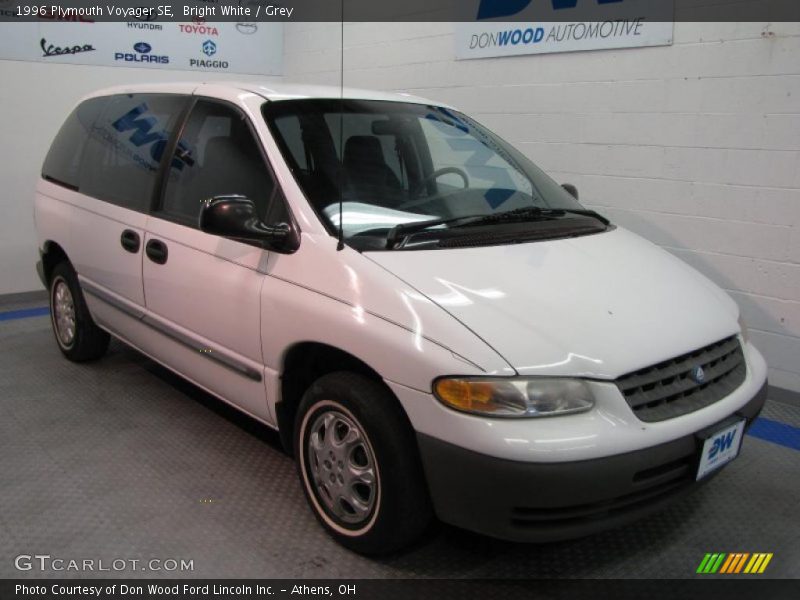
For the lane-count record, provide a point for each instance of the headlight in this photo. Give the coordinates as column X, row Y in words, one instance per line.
column 743, row 327
column 515, row 397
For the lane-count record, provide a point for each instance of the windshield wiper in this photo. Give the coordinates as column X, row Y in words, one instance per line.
column 399, row 232
column 532, row 212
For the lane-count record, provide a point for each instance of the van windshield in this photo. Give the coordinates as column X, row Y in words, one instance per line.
column 418, row 169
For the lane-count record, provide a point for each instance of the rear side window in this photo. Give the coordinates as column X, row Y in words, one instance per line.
column 62, row 165
column 122, row 157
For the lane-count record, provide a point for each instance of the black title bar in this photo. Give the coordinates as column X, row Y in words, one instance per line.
column 397, row 10
column 705, row 588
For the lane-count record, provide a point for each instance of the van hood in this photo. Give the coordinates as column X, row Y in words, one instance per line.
column 594, row 306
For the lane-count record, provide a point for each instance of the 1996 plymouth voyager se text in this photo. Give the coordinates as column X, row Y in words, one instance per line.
column 434, row 326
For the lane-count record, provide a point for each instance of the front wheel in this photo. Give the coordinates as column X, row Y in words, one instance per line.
column 358, row 463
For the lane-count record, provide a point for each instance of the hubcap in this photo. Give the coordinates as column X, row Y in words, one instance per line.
column 342, row 467
column 63, row 313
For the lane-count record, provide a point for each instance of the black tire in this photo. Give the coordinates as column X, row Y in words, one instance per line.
column 87, row 341
column 400, row 505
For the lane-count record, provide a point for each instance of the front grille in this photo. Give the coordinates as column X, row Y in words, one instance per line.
column 668, row 389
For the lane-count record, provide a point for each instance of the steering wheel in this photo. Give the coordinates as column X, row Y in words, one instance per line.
column 438, row 173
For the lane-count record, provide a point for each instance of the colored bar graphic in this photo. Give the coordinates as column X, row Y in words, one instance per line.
column 703, row 563
column 733, row 563
column 717, row 564
column 728, row 567
column 740, row 563
column 764, row 564
column 753, row 564
column 730, row 562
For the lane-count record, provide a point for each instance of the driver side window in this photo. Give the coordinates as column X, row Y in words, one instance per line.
column 216, row 155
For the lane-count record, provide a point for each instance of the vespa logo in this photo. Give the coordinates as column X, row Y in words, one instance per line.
column 492, row 9
column 209, row 48
column 721, row 444
column 53, row 50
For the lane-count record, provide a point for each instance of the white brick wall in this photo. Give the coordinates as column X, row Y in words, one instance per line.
column 696, row 145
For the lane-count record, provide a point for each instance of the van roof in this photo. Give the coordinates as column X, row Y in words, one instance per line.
column 274, row 92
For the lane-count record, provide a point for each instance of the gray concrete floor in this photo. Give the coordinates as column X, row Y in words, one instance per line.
column 122, row 459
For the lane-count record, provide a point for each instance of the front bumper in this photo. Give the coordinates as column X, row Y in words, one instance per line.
column 542, row 502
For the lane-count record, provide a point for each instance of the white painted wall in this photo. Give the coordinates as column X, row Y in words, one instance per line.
column 35, row 98
column 696, row 146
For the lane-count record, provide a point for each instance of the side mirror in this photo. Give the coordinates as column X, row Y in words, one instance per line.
column 235, row 217
column 573, row 191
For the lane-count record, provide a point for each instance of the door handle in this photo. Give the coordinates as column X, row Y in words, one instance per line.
column 131, row 241
column 156, row 251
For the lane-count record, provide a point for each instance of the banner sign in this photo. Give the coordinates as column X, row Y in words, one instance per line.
column 600, row 24
column 194, row 45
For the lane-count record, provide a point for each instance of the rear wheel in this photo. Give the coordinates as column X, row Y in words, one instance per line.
column 359, row 466
column 77, row 335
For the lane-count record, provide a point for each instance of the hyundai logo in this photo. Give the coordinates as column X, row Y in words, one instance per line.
column 209, row 48
column 697, row 374
column 142, row 47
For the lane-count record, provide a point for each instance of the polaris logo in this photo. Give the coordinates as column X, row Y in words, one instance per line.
column 142, row 55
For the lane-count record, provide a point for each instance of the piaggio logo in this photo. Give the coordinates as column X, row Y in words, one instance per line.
column 734, row 563
column 492, row 9
column 209, row 48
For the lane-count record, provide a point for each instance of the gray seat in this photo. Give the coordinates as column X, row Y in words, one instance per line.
column 229, row 168
column 365, row 164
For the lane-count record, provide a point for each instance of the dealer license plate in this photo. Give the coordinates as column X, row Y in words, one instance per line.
column 720, row 448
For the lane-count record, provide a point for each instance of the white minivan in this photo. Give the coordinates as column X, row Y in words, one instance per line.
column 433, row 325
